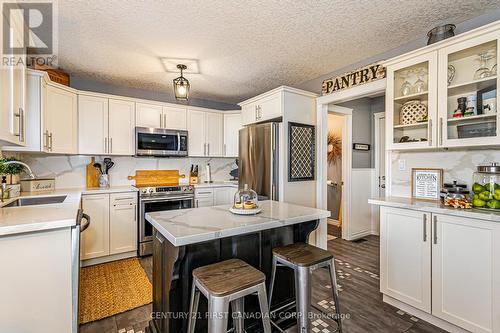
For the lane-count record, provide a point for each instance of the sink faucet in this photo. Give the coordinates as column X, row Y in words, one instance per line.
column 30, row 173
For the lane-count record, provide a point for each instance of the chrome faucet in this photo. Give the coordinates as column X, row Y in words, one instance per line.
column 26, row 166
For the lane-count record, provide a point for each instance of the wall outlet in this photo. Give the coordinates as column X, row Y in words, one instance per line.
column 402, row 165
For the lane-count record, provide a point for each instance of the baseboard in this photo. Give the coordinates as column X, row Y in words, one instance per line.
column 424, row 315
column 333, row 222
column 360, row 234
column 114, row 257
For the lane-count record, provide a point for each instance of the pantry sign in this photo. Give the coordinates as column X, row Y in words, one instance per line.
column 360, row 76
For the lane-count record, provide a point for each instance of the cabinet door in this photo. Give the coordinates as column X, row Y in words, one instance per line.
column 405, row 256
column 61, row 121
column 466, row 272
column 123, row 223
column 248, row 114
column 148, row 115
column 221, row 196
column 197, row 134
column 174, row 117
column 411, row 103
column 269, row 108
column 92, row 125
column 468, row 67
column 214, row 127
column 121, row 127
column 204, row 202
column 95, row 240
column 232, row 125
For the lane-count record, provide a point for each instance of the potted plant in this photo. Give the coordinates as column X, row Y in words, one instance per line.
column 12, row 171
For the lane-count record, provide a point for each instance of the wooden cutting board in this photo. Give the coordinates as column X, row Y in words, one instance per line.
column 92, row 174
column 156, row 177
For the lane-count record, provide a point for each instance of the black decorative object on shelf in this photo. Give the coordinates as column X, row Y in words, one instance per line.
column 483, row 95
column 302, row 152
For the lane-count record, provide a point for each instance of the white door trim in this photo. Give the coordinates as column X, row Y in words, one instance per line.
column 365, row 90
column 377, row 117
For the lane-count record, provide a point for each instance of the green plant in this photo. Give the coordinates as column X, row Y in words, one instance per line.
column 11, row 169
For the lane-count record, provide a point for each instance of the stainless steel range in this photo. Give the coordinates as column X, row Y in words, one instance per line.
column 154, row 199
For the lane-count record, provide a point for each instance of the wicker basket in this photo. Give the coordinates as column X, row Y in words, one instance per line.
column 412, row 112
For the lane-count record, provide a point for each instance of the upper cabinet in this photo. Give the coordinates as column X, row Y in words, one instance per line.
column 468, row 92
column 105, row 126
column 205, row 133
column 158, row 116
column 262, row 108
column 60, row 125
column 446, row 97
column 232, row 126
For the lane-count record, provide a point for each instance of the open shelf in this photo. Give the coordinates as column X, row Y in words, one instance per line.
column 409, row 126
column 478, row 117
column 475, row 85
column 403, row 99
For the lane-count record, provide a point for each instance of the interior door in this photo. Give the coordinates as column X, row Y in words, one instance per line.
column 121, row 127
column 92, row 125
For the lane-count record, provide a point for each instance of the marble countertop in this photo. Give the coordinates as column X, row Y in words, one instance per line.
column 435, row 207
column 15, row 220
column 188, row 226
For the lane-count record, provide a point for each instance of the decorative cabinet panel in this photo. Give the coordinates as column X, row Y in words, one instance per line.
column 232, row 126
column 205, row 133
column 113, row 224
column 106, row 126
column 95, row 240
column 60, row 130
column 455, row 85
column 466, row 272
column 405, row 256
column 468, row 96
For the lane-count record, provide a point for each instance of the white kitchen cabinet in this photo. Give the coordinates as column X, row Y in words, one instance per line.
column 405, row 256
column 121, row 125
column 175, row 117
column 113, row 224
column 248, row 114
column 95, row 240
column 92, row 125
column 148, row 115
column 122, row 223
column 214, row 196
column 203, row 197
column 263, row 107
column 466, row 272
column 60, row 128
column 205, row 133
column 232, row 126
column 34, row 104
column 224, row 195
column 214, row 124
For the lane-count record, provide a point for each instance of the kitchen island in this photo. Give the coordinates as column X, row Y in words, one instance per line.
column 190, row 238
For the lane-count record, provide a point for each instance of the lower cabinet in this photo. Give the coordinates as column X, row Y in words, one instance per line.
column 445, row 265
column 214, row 196
column 113, row 226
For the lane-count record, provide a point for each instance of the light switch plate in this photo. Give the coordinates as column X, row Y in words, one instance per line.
column 402, row 165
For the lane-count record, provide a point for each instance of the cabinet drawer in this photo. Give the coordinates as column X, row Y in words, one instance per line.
column 204, row 193
column 123, row 199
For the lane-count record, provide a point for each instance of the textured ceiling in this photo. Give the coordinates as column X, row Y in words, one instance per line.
column 244, row 47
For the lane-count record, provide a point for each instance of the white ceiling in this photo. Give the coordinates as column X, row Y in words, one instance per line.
column 244, row 47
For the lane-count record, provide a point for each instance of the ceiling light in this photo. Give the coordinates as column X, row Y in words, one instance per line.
column 181, row 86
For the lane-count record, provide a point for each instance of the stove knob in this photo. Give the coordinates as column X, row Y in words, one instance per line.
column 150, row 190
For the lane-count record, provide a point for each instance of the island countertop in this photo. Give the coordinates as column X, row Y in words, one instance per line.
column 188, row 226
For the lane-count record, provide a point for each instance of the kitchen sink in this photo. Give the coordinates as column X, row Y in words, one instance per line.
column 36, row 201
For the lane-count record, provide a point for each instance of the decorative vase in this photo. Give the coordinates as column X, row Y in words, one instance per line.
column 412, row 112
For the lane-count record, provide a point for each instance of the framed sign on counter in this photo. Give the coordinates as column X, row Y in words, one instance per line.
column 426, row 184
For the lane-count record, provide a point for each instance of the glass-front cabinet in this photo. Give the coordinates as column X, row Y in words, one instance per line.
column 446, row 97
column 467, row 104
column 411, row 102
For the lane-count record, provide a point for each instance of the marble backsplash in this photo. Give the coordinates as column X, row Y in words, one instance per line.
column 70, row 171
column 457, row 165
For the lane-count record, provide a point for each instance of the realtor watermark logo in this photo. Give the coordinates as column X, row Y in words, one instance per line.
column 29, row 32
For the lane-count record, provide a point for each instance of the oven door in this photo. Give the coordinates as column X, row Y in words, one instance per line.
column 148, row 205
column 160, row 142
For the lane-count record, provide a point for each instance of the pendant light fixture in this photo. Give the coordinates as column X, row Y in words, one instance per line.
column 181, row 85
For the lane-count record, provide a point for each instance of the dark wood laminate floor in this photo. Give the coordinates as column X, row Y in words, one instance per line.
column 357, row 265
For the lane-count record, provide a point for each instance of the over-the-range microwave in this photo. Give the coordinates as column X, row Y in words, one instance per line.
column 160, row 142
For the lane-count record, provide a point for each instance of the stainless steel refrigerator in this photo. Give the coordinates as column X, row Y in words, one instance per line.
column 259, row 159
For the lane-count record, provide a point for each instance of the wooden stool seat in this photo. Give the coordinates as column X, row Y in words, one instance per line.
column 228, row 277
column 302, row 254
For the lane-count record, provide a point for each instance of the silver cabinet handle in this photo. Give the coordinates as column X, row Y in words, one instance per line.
column 46, row 139
column 197, row 204
column 425, row 228
column 161, row 120
column 110, row 145
column 204, row 149
column 256, row 113
column 105, row 145
column 429, row 136
column 441, row 131
column 50, row 141
column 435, row 230
column 208, row 149
column 21, row 124
column 164, row 121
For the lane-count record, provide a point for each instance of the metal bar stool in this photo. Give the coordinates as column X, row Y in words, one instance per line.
column 304, row 259
column 223, row 283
